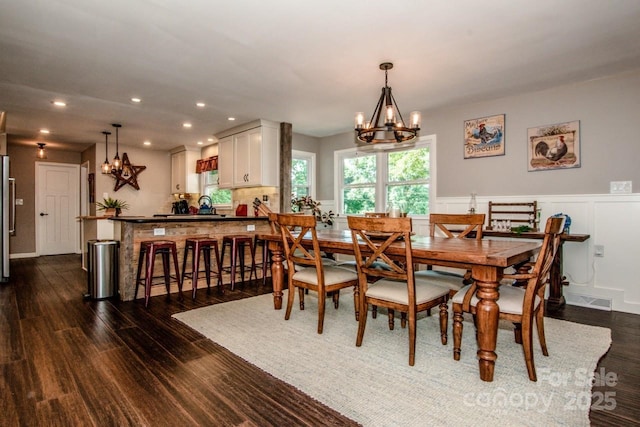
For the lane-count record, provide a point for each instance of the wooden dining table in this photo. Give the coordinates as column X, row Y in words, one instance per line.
column 485, row 258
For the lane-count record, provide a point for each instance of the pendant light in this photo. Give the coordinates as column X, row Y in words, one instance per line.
column 106, row 166
column 386, row 124
column 116, row 166
column 41, row 154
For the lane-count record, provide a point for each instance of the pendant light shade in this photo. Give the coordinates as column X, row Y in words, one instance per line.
column 116, row 166
column 41, row 154
column 106, row 166
column 386, row 124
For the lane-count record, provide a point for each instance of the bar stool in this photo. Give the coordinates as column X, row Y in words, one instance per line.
column 204, row 245
column 148, row 251
column 266, row 260
column 236, row 245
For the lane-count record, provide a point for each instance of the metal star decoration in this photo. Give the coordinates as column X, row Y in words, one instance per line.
column 128, row 174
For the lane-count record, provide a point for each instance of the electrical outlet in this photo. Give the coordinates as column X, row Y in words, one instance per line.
column 158, row 231
column 19, row 202
column 251, row 227
column 620, row 187
column 598, row 251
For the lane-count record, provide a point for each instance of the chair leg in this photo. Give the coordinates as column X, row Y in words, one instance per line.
column 391, row 314
column 540, row 326
column 336, row 298
column 457, row 333
column 149, row 261
column 219, row 268
column 374, row 311
column 141, row 259
column 322, row 296
column 527, row 346
column 444, row 319
column 195, row 267
column 301, row 297
column 166, row 268
column 291, row 293
column 207, row 267
column 184, row 262
column 517, row 333
column 412, row 336
column 403, row 320
column 175, row 266
column 362, row 321
column 356, row 298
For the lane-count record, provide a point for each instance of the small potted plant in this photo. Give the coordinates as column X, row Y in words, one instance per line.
column 111, row 206
column 307, row 205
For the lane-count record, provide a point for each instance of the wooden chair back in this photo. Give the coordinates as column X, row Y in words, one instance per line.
column 372, row 237
column 539, row 276
column 456, row 225
column 294, row 228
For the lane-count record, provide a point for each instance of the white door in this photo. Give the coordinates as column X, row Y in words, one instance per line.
column 57, row 208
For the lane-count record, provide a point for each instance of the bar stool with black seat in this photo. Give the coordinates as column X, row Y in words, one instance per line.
column 199, row 245
column 237, row 244
column 148, row 251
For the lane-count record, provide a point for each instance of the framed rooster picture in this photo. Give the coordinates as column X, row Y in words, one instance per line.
column 554, row 146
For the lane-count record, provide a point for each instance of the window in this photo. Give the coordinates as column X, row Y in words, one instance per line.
column 302, row 174
column 210, row 188
column 371, row 181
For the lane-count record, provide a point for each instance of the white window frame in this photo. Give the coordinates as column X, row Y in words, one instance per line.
column 381, row 178
column 202, row 191
column 311, row 172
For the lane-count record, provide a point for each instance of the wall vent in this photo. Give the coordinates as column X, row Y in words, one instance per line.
column 587, row 301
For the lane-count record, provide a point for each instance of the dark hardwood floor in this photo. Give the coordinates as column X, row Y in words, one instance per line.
column 69, row 361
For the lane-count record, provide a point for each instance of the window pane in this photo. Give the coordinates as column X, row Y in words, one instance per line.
column 299, row 172
column 409, row 165
column 360, row 170
column 414, row 198
column 359, row 200
column 299, row 192
column 218, row 197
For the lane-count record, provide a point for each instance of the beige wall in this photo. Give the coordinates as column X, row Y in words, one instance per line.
column 22, row 167
column 608, row 110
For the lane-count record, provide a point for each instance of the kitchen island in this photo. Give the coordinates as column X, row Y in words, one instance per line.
column 131, row 230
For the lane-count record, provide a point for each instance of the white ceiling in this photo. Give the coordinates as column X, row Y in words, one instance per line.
column 309, row 63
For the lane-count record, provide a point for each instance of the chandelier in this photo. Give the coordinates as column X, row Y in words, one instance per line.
column 386, row 124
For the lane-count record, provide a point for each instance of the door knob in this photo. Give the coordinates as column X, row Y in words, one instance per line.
column 43, row 214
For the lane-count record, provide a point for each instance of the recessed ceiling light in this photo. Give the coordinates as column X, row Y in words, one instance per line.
column 200, row 104
column 231, row 119
column 186, row 125
column 199, row 142
column 44, row 131
column 147, row 143
column 210, row 139
column 59, row 103
column 136, row 100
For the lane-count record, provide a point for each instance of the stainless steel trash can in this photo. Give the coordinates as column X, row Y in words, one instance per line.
column 102, row 268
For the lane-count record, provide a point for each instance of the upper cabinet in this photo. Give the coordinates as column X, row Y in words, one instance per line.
column 184, row 178
column 248, row 155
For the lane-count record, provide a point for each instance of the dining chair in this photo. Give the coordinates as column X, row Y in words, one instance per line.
column 388, row 240
column 452, row 226
column 518, row 305
column 314, row 275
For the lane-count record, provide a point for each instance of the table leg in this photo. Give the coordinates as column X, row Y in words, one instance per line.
column 487, row 315
column 277, row 274
column 556, row 282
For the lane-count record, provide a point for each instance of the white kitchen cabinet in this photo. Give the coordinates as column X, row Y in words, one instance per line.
column 184, row 178
column 225, row 162
column 252, row 153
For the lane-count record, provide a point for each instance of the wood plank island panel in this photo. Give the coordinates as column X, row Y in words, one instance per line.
column 130, row 231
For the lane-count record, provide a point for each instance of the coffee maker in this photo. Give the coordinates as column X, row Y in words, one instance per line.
column 180, row 207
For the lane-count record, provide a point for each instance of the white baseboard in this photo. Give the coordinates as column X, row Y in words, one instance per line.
column 23, row 255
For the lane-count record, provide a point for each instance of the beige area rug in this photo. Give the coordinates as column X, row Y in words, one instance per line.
column 375, row 386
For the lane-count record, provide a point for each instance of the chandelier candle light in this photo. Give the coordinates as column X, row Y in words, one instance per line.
column 386, row 124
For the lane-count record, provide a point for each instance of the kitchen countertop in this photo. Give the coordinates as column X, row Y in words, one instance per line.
column 187, row 218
